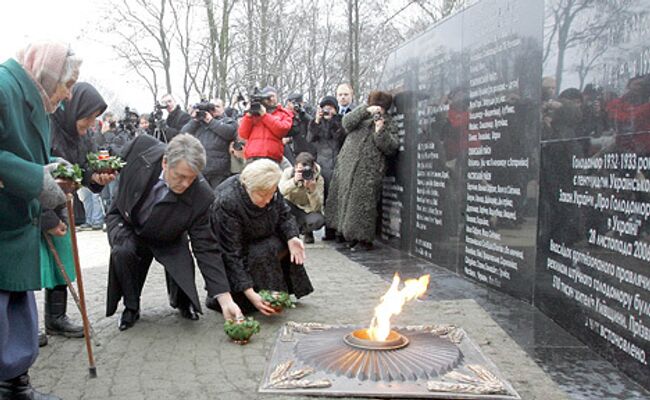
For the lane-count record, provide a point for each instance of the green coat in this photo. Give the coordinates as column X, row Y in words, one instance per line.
column 24, row 149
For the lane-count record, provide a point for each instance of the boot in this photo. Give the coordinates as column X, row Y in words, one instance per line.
column 56, row 320
column 309, row 237
column 20, row 389
column 42, row 338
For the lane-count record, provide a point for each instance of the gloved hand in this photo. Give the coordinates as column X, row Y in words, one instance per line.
column 61, row 160
column 51, row 196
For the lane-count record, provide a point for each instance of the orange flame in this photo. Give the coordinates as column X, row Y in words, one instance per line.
column 392, row 303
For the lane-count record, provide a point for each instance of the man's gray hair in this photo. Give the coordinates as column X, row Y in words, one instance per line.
column 188, row 148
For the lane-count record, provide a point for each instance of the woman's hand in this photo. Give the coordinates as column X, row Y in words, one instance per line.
column 379, row 124
column 103, row 179
column 58, row 230
column 297, row 250
column 229, row 308
column 264, row 307
column 373, row 109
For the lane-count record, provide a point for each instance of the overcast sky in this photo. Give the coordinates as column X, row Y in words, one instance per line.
column 24, row 21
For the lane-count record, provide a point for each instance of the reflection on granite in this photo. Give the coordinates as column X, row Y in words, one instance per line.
column 578, row 371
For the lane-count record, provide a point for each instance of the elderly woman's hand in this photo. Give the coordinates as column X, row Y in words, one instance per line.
column 103, row 179
column 264, row 307
column 297, row 251
column 229, row 308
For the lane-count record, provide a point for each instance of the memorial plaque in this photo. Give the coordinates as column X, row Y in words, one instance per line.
column 593, row 270
column 502, row 44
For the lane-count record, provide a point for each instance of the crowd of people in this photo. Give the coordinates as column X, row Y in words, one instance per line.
column 229, row 189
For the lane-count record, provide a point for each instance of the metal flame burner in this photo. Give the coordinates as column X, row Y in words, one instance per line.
column 360, row 340
column 434, row 361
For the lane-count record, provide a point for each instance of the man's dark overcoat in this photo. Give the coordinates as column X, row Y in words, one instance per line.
column 166, row 231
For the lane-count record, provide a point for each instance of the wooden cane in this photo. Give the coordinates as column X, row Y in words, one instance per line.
column 68, row 282
column 92, row 370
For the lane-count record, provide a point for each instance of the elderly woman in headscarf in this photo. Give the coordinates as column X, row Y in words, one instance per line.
column 259, row 238
column 70, row 123
column 31, row 86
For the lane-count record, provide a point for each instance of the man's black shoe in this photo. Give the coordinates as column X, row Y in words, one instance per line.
column 362, row 246
column 189, row 313
column 330, row 234
column 212, row 303
column 128, row 319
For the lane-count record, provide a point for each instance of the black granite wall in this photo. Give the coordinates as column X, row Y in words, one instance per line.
column 525, row 160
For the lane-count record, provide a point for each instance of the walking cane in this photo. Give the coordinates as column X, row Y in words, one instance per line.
column 68, row 282
column 92, row 370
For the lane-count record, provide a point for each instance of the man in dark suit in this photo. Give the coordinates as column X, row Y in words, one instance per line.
column 345, row 98
column 162, row 199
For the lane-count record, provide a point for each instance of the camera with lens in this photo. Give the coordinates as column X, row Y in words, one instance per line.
column 202, row 108
column 377, row 116
column 256, row 102
column 307, row 173
column 129, row 122
column 238, row 145
column 298, row 108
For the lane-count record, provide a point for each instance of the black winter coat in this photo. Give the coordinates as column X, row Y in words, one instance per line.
column 215, row 138
column 327, row 137
column 68, row 144
column 169, row 225
column 251, row 237
column 175, row 121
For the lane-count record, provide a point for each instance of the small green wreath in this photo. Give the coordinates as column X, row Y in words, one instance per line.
column 277, row 300
column 107, row 165
column 242, row 329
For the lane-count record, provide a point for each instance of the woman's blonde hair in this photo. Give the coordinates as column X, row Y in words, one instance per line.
column 261, row 175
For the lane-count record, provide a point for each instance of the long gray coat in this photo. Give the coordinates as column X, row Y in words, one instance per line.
column 351, row 206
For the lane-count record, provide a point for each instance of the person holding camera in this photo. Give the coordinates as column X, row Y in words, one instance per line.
column 303, row 187
column 215, row 132
column 296, row 140
column 264, row 125
column 326, row 135
column 176, row 117
column 351, row 207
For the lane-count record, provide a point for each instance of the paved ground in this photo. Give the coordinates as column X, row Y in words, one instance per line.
column 167, row 357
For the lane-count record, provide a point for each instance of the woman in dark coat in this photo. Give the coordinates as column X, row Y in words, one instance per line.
column 351, row 207
column 258, row 237
column 68, row 126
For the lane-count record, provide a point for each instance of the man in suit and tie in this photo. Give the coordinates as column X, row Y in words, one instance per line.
column 162, row 207
column 344, row 96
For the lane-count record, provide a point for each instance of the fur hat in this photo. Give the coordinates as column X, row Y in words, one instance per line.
column 379, row 98
column 329, row 101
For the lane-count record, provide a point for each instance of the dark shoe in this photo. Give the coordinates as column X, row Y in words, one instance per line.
column 97, row 227
column 42, row 339
column 309, row 237
column 20, row 389
column 56, row 320
column 330, row 234
column 340, row 238
column 189, row 313
column 128, row 318
column 350, row 245
column 212, row 303
column 84, row 227
column 362, row 246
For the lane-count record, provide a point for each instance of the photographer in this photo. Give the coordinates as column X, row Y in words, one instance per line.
column 303, row 188
column 296, row 140
column 326, row 135
column 215, row 132
column 176, row 117
column 264, row 125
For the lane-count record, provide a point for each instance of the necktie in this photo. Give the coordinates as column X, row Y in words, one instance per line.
column 158, row 191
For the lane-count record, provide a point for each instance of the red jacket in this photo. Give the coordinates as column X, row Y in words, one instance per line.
column 264, row 135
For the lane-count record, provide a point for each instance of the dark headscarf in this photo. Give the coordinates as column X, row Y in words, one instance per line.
column 66, row 141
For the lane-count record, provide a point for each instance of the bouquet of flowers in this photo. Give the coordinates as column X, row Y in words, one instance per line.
column 104, row 163
column 68, row 177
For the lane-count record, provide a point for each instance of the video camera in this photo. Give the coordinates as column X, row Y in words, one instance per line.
column 202, row 108
column 129, row 121
column 256, row 102
column 156, row 123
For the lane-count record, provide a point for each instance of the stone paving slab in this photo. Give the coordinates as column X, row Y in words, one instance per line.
column 167, row 357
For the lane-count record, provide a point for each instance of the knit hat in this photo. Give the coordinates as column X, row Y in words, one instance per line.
column 379, row 98
column 295, row 97
column 329, row 101
column 269, row 90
